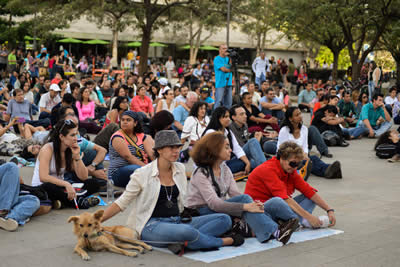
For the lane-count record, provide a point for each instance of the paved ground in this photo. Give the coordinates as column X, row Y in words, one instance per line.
column 366, row 201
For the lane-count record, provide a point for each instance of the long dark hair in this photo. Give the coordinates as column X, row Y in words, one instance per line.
column 215, row 124
column 383, row 139
column 62, row 127
column 118, row 101
column 286, row 122
column 194, row 111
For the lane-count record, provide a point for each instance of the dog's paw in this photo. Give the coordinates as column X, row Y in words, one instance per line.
column 131, row 254
column 150, row 248
column 85, row 257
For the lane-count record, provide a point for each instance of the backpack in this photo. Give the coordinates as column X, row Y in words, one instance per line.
column 331, row 138
column 385, row 151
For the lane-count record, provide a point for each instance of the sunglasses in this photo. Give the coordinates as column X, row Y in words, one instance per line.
column 66, row 122
column 294, row 164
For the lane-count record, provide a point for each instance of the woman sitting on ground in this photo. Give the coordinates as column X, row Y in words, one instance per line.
column 121, row 105
column 292, row 129
column 129, row 149
column 142, row 103
column 220, row 121
column 196, row 123
column 157, row 192
column 168, row 101
column 213, row 181
column 59, row 155
column 86, row 111
column 390, row 137
column 119, row 91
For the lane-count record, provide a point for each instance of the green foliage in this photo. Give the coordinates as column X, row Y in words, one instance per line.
column 326, row 55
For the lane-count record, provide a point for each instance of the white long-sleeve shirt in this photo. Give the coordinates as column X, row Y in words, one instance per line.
column 259, row 66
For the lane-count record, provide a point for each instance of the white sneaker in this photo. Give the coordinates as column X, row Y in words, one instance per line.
column 8, row 224
column 325, row 221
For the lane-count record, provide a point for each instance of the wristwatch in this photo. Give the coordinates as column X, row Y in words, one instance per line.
column 330, row 210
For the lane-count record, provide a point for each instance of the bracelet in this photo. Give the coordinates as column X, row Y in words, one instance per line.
column 330, row 210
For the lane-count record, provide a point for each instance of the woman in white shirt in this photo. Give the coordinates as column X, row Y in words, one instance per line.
column 196, row 123
column 168, row 102
column 157, row 193
column 292, row 129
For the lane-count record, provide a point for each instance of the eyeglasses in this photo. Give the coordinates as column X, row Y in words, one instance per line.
column 66, row 122
column 365, row 96
column 294, row 164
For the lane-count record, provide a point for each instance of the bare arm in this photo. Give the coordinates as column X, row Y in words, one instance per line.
column 123, row 150
column 272, row 106
column 110, row 212
column 178, row 125
column 148, row 145
column 100, row 153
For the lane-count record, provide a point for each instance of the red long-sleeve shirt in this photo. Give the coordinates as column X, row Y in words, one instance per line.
column 270, row 180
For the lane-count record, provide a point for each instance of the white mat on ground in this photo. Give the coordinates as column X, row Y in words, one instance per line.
column 252, row 245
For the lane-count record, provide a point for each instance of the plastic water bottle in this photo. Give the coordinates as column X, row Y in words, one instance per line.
column 110, row 192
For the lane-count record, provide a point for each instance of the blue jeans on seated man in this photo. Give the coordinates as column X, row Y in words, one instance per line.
column 201, row 233
column 87, row 159
column 20, row 208
column 315, row 138
column 355, row 132
column 318, row 167
column 285, row 211
column 223, row 97
column 235, row 164
column 279, row 114
column 378, row 129
column 122, row 176
column 264, row 224
column 254, row 152
column 270, row 147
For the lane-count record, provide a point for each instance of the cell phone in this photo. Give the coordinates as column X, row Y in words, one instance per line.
column 22, row 120
column 77, row 185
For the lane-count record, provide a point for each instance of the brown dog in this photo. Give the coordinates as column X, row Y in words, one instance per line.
column 93, row 236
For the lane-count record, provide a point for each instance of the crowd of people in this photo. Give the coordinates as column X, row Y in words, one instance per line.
column 150, row 125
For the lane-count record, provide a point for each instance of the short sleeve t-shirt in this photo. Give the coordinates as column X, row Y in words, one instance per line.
column 220, row 76
column 84, row 144
column 368, row 112
column 22, row 110
column 253, row 112
column 180, row 114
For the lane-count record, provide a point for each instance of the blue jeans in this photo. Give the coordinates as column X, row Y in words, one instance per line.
column 355, row 132
column 201, row 232
column 315, row 138
column 88, row 158
column 378, row 129
column 270, row 147
column 318, row 166
column 306, row 203
column 279, row 114
column 42, row 122
column 263, row 225
column 44, row 115
column 260, row 79
column 122, row 175
column 223, row 97
column 20, row 208
column 235, row 165
column 254, row 152
column 371, row 89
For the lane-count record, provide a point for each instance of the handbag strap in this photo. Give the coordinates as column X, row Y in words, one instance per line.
column 131, row 142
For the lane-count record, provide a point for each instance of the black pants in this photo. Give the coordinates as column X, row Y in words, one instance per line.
column 56, row 192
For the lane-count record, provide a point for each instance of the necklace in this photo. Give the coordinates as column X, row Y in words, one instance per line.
column 169, row 203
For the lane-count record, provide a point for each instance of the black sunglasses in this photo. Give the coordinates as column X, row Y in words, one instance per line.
column 294, row 164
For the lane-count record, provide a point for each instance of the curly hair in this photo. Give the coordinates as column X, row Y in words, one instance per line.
column 289, row 149
column 206, row 150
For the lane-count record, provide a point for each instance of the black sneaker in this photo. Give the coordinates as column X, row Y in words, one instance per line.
column 238, row 239
column 88, row 202
column 286, row 230
column 333, row 170
column 326, row 154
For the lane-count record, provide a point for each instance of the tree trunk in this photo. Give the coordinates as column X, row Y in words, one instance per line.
column 115, row 44
column 144, row 49
column 335, row 64
column 258, row 47
column 356, row 70
column 193, row 54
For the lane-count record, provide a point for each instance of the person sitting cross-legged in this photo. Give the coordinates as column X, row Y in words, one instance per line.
column 212, row 182
column 374, row 118
column 271, row 105
column 305, row 98
column 278, row 178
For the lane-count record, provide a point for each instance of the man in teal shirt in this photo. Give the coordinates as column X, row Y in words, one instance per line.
column 305, row 98
column 223, row 79
column 374, row 117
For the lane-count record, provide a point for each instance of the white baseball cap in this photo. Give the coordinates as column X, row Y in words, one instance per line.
column 55, row 87
column 163, row 81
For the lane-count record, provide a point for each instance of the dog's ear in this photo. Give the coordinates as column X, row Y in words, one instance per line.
column 73, row 219
column 98, row 214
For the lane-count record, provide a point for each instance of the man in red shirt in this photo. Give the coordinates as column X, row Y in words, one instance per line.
column 277, row 178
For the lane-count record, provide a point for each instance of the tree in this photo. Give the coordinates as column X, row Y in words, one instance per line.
column 363, row 22
column 149, row 16
column 390, row 41
column 257, row 21
column 10, row 30
column 311, row 21
column 113, row 14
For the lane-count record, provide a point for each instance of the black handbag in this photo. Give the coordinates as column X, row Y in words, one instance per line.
column 37, row 191
column 385, row 151
column 331, row 138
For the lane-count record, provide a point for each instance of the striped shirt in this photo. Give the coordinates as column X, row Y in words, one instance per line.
column 116, row 161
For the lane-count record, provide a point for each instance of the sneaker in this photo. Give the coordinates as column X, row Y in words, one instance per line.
column 8, row 224
column 395, row 158
column 57, row 205
column 333, row 170
column 286, row 230
column 305, row 171
column 88, row 202
column 344, row 143
column 327, row 154
column 242, row 228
